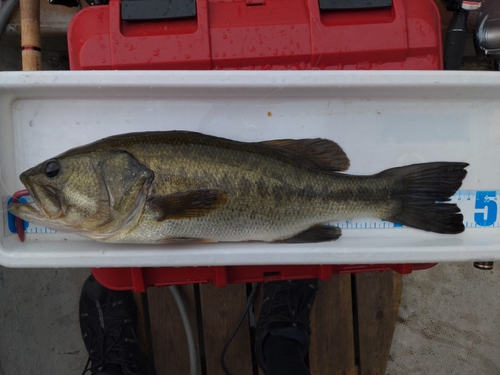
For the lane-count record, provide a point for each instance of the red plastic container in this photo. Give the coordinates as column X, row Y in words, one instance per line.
column 255, row 34
column 139, row 279
column 273, row 34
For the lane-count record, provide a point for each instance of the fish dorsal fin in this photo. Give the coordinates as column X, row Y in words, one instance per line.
column 324, row 153
column 186, row 204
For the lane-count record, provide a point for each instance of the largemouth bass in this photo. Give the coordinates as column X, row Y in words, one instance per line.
column 156, row 187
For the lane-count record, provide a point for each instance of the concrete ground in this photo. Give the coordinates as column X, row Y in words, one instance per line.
column 448, row 322
column 39, row 327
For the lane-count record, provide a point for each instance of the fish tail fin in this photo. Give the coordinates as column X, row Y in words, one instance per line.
column 421, row 192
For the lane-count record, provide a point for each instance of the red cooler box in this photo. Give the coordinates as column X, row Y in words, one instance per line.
column 257, row 34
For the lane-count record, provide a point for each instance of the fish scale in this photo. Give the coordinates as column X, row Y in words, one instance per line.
column 479, row 208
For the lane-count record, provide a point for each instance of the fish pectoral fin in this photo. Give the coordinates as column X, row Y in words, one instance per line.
column 317, row 233
column 324, row 153
column 187, row 204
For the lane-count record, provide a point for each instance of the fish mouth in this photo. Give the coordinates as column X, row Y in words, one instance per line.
column 27, row 211
column 46, row 205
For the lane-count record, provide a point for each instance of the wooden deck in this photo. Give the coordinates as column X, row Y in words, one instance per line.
column 352, row 324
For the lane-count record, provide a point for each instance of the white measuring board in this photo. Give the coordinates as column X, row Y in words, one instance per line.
column 479, row 208
column 381, row 119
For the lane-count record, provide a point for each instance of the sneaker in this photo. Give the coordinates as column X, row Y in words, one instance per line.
column 286, row 307
column 107, row 320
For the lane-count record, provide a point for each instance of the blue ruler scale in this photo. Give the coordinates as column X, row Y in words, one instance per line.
column 479, row 208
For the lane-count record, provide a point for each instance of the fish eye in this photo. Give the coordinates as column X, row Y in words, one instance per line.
column 52, row 168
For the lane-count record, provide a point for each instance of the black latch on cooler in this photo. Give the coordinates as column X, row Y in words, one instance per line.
column 353, row 4
column 157, row 9
column 68, row 3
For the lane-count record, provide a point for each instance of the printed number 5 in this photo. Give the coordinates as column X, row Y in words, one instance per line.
column 486, row 199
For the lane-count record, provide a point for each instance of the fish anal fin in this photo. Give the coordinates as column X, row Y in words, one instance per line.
column 317, row 233
column 187, row 204
column 324, row 153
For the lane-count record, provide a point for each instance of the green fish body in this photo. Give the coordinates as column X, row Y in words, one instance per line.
column 156, row 187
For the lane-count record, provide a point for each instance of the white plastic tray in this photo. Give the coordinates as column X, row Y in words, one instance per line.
column 381, row 119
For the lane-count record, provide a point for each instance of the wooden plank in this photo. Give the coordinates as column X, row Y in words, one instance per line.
column 332, row 338
column 378, row 298
column 143, row 330
column 221, row 310
column 333, row 345
column 170, row 346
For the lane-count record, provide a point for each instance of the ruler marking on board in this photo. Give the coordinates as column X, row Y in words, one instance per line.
column 479, row 208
